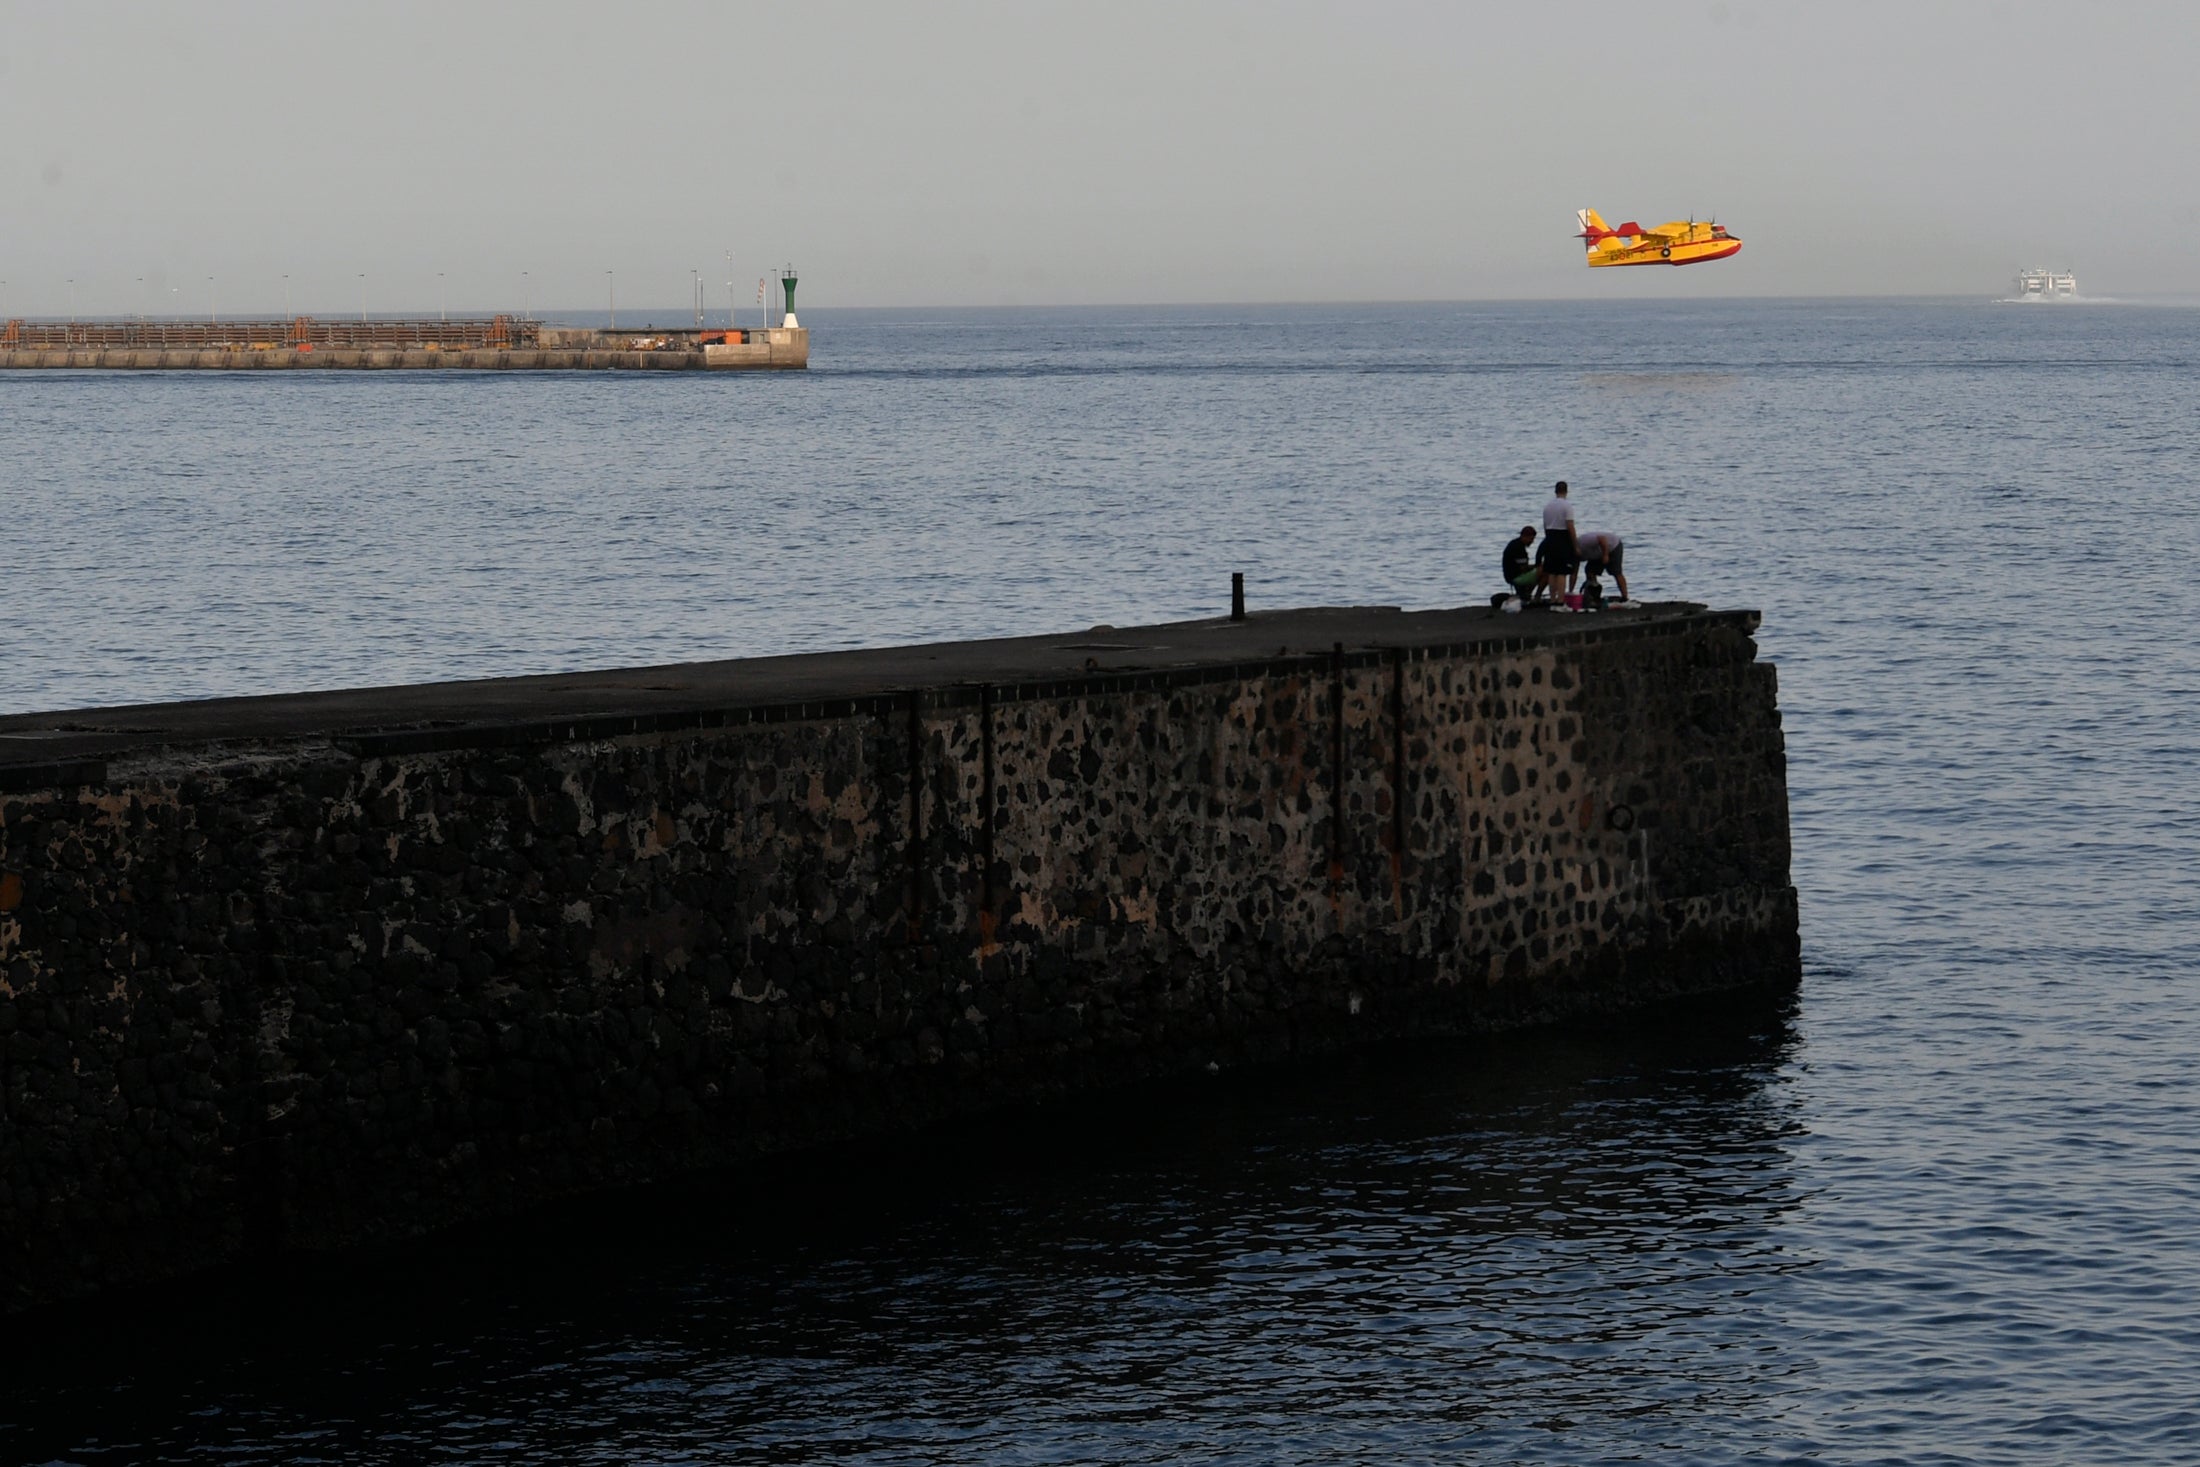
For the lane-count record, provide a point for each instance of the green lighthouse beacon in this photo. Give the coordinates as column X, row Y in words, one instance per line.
column 786, row 283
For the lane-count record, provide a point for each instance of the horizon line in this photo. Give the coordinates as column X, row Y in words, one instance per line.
column 679, row 314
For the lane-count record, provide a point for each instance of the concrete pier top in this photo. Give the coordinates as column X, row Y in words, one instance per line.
column 71, row 747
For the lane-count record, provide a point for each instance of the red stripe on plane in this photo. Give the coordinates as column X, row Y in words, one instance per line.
column 1733, row 247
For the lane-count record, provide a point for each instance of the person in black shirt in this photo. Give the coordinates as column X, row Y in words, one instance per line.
column 1520, row 568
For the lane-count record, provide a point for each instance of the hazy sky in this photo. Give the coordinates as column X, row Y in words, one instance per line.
column 977, row 153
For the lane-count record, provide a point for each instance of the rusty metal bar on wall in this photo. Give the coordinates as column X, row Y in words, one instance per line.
column 1336, row 765
column 1398, row 778
column 987, row 814
column 916, row 814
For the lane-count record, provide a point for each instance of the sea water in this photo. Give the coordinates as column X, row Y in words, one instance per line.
column 1940, row 1209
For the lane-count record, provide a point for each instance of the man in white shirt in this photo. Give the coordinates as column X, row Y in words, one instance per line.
column 1601, row 551
column 1559, row 559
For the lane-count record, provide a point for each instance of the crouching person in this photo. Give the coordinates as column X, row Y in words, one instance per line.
column 1521, row 572
column 1602, row 551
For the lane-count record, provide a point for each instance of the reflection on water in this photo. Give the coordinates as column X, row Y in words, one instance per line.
column 1528, row 1246
column 1656, row 382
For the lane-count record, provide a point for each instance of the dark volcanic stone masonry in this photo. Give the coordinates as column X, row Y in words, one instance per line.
column 287, row 976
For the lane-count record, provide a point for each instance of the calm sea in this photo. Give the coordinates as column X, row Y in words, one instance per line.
column 1945, row 1209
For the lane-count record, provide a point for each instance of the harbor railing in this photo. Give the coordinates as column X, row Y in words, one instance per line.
column 298, row 333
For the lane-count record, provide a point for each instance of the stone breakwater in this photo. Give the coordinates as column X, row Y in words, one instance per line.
column 562, row 349
column 308, row 972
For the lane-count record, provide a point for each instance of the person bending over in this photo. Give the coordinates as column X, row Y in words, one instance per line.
column 1520, row 568
column 1559, row 560
column 1602, row 551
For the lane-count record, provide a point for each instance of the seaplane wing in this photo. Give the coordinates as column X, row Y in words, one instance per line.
column 1680, row 242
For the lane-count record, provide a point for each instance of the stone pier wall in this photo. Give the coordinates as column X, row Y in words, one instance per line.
column 783, row 350
column 316, row 992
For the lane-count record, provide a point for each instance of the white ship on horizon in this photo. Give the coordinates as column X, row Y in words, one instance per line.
column 2046, row 285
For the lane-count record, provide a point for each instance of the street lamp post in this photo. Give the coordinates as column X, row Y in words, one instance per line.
column 729, row 290
column 362, row 297
column 526, row 296
column 286, row 296
column 72, row 300
column 442, row 298
column 611, row 284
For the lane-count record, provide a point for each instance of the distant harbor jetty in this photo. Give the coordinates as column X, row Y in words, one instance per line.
column 491, row 343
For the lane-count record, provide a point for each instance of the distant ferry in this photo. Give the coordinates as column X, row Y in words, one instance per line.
column 2046, row 285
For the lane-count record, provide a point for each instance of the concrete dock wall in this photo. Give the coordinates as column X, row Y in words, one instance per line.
column 309, row 988
column 792, row 353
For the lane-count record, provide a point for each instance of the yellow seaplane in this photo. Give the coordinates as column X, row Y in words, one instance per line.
column 1677, row 243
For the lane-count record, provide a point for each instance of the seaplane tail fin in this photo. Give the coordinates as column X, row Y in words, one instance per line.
column 1597, row 238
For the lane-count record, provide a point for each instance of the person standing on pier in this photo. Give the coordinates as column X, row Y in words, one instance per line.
column 1559, row 559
